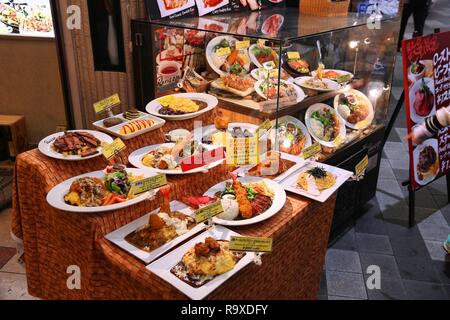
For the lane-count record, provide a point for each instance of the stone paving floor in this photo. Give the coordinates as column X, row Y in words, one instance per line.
column 412, row 261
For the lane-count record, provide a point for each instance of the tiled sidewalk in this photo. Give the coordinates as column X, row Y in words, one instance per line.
column 412, row 261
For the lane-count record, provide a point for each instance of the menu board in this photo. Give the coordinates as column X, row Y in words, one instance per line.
column 26, row 18
column 171, row 9
column 426, row 67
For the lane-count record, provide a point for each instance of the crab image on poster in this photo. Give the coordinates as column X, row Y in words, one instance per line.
column 170, row 7
column 207, row 6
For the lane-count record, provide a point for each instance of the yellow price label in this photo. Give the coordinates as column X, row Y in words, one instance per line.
column 362, row 124
column 262, row 42
column 242, row 44
column 250, row 244
column 263, row 127
column 148, row 184
column 223, row 52
column 293, row 55
column 243, row 151
column 274, row 73
column 114, row 148
column 269, row 65
column 312, row 151
column 363, row 165
column 208, row 212
column 339, row 141
column 107, row 103
column 220, row 138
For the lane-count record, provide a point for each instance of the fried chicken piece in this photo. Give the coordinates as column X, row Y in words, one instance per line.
column 245, row 207
column 156, row 222
column 202, row 249
column 212, row 244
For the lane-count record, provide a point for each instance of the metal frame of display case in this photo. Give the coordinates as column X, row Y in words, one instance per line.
column 354, row 194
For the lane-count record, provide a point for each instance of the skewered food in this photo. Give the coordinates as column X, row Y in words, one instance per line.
column 78, row 143
column 205, row 261
column 316, row 180
column 325, row 124
column 162, row 227
column 428, row 164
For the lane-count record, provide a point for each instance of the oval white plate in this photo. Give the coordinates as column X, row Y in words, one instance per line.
column 253, row 57
column 299, row 124
column 362, row 124
column 259, row 74
column 45, row 146
column 412, row 98
column 136, row 160
column 154, row 106
column 342, row 72
column 210, row 53
column 300, row 94
column 317, row 107
column 432, row 143
column 55, row 197
column 332, row 85
column 278, row 201
column 416, row 77
column 209, row 130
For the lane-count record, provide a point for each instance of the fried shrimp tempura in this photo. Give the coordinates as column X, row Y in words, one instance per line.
column 245, row 207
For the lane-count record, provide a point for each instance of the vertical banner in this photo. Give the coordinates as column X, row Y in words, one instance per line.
column 426, row 68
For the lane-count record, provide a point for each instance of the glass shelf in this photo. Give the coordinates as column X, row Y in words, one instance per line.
column 276, row 25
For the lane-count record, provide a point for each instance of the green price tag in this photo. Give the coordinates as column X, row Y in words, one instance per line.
column 114, row 148
column 107, row 103
column 208, row 212
column 312, row 151
column 251, row 244
column 149, row 184
column 360, row 167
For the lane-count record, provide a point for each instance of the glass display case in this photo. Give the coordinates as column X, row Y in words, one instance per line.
column 320, row 81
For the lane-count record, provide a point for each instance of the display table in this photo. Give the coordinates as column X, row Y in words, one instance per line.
column 54, row 240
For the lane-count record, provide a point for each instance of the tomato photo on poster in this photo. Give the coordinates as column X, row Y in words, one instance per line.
column 426, row 69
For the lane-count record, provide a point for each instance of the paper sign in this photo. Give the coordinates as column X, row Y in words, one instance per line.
column 360, row 167
column 293, row 55
column 107, row 103
column 110, row 150
column 262, row 42
column 251, row 244
column 149, row 184
column 312, row 151
column 242, row 44
column 201, row 160
column 220, row 138
column 274, row 73
column 339, row 140
column 362, row 124
column 223, row 52
column 208, row 212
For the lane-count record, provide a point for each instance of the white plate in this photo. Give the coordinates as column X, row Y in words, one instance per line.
column 300, row 94
column 362, row 124
column 299, row 124
column 412, row 98
column 261, row 74
column 115, row 131
column 55, row 197
column 118, row 236
column 136, row 160
column 416, row 77
column 268, row 22
column 203, row 10
column 432, row 143
column 154, row 106
column 167, row 12
column 162, row 266
column 290, row 183
column 45, row 146
column 332, row 85
column 209, row 130
column 210, row 54
column 253, row 57
column 317, row 107
column 341, row 72
column 242, row 171
column 278, row 201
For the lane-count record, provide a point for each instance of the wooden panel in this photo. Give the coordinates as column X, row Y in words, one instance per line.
column 87, row 85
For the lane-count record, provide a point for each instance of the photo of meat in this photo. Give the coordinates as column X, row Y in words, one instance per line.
column 170, row 7
column 426, row 162
column 422, row 100
column 207, row 6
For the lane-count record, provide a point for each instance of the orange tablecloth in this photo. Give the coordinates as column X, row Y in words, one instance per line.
column 54, row 240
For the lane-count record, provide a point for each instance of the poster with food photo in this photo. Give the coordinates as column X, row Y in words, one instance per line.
column 171, row 7
column 426, row 68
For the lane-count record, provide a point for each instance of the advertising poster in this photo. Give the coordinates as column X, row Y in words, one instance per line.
column 172, row 9
column 426, row 67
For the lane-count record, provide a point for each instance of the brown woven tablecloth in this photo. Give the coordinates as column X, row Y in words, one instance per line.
column 54, row 240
